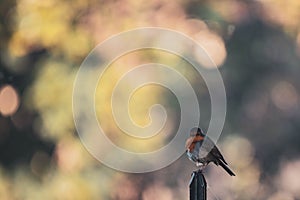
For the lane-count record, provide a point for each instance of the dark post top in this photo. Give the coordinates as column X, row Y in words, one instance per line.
column 198, row 186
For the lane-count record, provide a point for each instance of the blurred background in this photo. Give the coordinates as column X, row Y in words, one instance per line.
column 256, row 45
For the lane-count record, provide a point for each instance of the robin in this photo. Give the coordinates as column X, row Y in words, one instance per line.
column 209, row 151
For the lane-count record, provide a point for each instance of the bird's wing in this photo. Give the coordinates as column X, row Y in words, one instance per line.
column 210, row 145
column 217, row 154
column 206, row 147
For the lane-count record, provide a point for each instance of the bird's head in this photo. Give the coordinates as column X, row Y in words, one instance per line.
column 196, row 131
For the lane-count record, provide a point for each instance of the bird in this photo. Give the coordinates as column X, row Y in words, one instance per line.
column 209, row 151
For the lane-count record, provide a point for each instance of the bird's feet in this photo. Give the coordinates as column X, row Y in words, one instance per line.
column 200, row 165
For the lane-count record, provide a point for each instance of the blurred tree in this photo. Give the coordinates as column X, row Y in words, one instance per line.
column 18, row 139
column 42, row 43
column 259, row 57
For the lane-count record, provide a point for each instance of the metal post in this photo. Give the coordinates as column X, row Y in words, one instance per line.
column 197, row 186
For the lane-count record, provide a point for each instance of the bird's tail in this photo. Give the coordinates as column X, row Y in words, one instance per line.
column 229, row 171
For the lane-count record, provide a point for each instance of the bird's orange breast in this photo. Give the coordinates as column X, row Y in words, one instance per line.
column 191, row 142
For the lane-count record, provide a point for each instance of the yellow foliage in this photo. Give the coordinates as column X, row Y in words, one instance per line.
column 51, row 95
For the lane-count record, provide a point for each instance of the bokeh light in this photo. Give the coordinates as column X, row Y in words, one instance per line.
column 9, row 100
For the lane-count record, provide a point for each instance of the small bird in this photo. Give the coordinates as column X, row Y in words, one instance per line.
column 209, row 149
